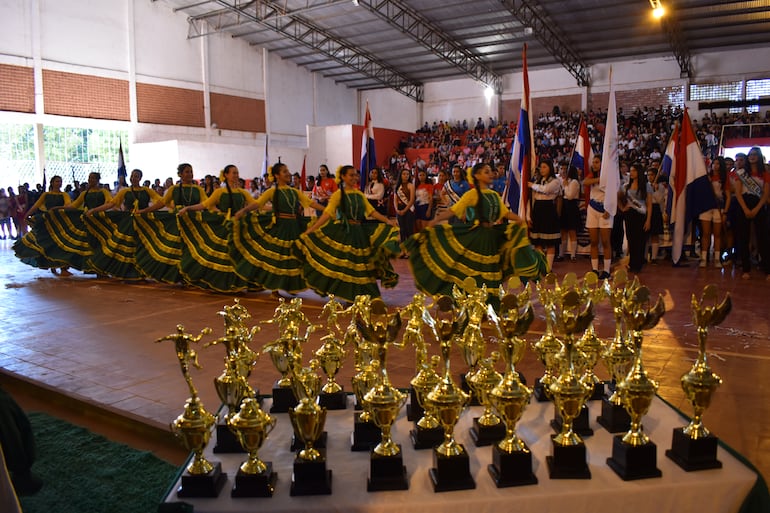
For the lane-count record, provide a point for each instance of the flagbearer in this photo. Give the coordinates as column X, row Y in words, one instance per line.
column 598, row 220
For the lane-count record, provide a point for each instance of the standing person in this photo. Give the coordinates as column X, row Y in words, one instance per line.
column 752, row 189
column 658, row 217
column 570, row 212
column 637, row 210
column 5, row 216
column 423, row 200
column 440, row 200
column 375, row 191
column 325, row 186
column 618, row 235
column 206, row 263
column 455, row 188
column 711, row 221
column 443, row 255
column 262, row 245
column 20, row 204
column 403, row 200
column 208, row 185
column 598, row 221
column 344, row 255
column 545, row 231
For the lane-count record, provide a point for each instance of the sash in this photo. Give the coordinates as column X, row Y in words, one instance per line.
column 749, row 184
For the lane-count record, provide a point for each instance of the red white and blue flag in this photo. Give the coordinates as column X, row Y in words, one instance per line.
column 516, row 193
column 368, row 157
column 667, row 165
column 583, row 153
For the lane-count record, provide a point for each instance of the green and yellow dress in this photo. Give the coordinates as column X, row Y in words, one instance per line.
column 205, row 262
column 159, row 247
column 38, row 247
column 444, row 255
column 347, row 255
column 116, row 242
column 262, row 246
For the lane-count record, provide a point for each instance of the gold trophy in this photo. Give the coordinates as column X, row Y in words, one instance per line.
column 417, row 315
column 634, row 455
column 617, row 355
column 488, row 428
column 383, row 402
column 251, row 426
column 590, row 345
column 193, row 427
column 693, row 447
column 548, row 346
column 511, row 458
column 427, row 433
column 572, row 314
column 310, row 476
column 473, row 302
column 447, row 400
column 331, row 354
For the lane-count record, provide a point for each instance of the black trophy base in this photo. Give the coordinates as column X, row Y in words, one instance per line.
column 386, row 473
column 365, row 435
column 486, row 435
column 283, row 400
column 333, row 401
column 580, row 425
column 540, row 392
column 474, row 401
column 633, row 462
column 208, row 485
column 227, row 442
column 426, row 438
column 598, row 393
column 568, row 462
column 691, row 455
column 414, row 411
column 451, row 473
column 255, row 485
column 614, row 418
column 311, row 478
column 514, row 469
column 297, row 444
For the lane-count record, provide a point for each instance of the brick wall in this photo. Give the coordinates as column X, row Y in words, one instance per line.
column 631, row 100
column 17, row 88
column 87, row 96
column 169, row 105
column 511, row 109
column 566, row 103
column 237, row 113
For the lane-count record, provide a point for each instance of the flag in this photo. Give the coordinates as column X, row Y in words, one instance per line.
column 368, row 158
column 667, row 164
column 609, row 176
column 121, row 166
column 693, row 193
column 516, row 194
column 583, row 153
column 266, row 161
column 45, row 182
column 303, row 175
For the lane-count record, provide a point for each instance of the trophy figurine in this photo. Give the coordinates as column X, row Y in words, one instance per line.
column 447, row 400
column 251, row 426
column 617, row 356
column 569, row 392
column 427, row 433
column 417, row 315
column 548, row 346
column 511, row 458
column 473, row 302
column 488, row 428
column 363, row 351
column 694, row 447
column 590, row 345
column 634, row 455
column 193, row 427
column 331, row 354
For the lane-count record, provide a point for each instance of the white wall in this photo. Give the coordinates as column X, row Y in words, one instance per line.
column 15, row 23
column 389, row 109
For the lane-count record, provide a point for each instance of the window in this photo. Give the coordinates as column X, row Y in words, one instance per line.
column 756, row 89
column 714, row 92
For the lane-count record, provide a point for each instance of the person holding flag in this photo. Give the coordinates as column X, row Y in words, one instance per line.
column 752, row 190
column 598, row 220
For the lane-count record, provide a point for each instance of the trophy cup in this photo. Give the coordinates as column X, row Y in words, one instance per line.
column 193, row 427
column 310, row 475
column 363, row 352
column 488, row 428
column 569, row 392
column 511, row 458
column 418, row 315
column 331, row 354
column 383, row 402
column 473, row 302
column 589, row 344
column 447, row 400
column 694, row 447
column 366, row 434
column 548, row 346
column 634, row 454
column 251, row 426
column 617, row 356
column 428, row 433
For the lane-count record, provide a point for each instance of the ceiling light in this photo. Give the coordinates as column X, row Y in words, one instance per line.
column 657, row 9
column 355, row 2
column 489, row 92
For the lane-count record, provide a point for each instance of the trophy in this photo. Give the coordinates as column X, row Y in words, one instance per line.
column 694, row 447
column 617, row 356
column 417, row 316
column 383, row 402
column 428, row 433
column 331, row 354
column 590, row 345
column 511, row 458
column 310, row 475
column 251, row 426
column 488, row 428
column 447, row 401
column 569, row 391
column 548, row 346
column 473, row 302
column 363, row 353
column 634, row 454
column 193, row 427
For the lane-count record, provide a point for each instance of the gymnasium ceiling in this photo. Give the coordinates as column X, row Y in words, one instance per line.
column 402, row 44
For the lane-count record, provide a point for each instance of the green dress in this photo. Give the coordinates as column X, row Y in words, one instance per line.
column 159, row 246
column 38, row 247
column 206, row 262
column 444, row 255
column 347, row 255
column 262, row 245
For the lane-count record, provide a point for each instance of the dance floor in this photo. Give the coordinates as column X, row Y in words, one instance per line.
column 88, row 341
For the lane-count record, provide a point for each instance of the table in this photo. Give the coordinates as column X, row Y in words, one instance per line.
column 718, row 490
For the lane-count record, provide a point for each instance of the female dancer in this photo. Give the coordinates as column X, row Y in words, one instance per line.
column 637, row 211
column 206, row 263
column 262, row 245
column 570, row 211
column 711, row 220
column 443, row 255
column 403, row 198
column 344, row 255
column 545, row 232
column 752, row 190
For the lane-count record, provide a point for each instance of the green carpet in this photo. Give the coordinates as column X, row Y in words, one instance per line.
column 85, row 472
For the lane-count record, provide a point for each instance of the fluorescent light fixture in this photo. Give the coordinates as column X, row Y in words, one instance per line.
column 657, row 9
